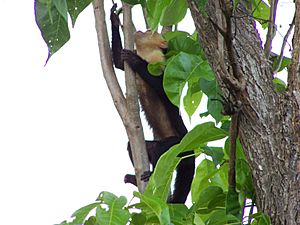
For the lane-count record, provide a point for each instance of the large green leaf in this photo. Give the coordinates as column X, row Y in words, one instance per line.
column 183, row 42
column 155, row 10
column 179, row 70
column 75, row 7
column 61, row 6
column 52, row 24
column 160, row 180
column 174, row 13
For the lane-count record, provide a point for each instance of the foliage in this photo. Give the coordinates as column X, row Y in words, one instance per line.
column 212, row 201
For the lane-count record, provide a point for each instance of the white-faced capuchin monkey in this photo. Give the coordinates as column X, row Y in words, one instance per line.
column 163, row 117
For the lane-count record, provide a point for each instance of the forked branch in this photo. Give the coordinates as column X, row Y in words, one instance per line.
column 127, row 108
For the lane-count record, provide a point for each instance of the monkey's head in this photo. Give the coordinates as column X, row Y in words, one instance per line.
column 150, row 39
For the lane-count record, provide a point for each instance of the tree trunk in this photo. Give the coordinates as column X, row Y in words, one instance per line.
column 269, row 121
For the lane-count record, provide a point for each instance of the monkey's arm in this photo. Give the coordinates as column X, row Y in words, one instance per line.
column 116, row 39
column 140, row 66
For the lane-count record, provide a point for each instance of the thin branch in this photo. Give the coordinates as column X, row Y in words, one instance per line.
column 271, row 28
column 106, row 59
column 283, row 45
column 130, row 118
column 135, row 128
column 294, row 70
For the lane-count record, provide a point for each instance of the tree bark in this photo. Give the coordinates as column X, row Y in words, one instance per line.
column 269, row 124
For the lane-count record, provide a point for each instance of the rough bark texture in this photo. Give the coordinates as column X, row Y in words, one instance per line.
column 269, row 122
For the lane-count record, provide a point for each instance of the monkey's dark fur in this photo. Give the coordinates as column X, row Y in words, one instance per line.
column 161, row 114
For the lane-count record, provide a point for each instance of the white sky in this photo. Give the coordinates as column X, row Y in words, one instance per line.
column 61, row 139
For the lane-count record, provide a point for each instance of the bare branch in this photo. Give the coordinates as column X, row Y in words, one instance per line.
column 271, row 28
column 134, row 128
column 283, row 45
column 130, row 120
column 106, row 59
column 294, row 70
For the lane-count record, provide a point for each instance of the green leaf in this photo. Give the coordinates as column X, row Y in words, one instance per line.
column 178, row 213
column 219, row 217
column 200, row 135
column 62, row 8
column 179, row 70
column 216, row 154
column 232, row 203
column 198, row 220
column 172, row 34
column 210, row 88
column 183, row 42
column 201, row 179
column 210, row 199
column 156, row 68
column 279, row 85
column 138, row 219
column 91, row 221
column 159, row 184
column 116, row 214
column 261, row 218
column 53, row 26
column 284, row 63
column 244, row 178
column 174, row 13
column 81, row 214
column 155, row 10
column 154, row 206
column 261, row 12
column 75, row 7
column 192, row 99
column 208, row 175
column 215, row 108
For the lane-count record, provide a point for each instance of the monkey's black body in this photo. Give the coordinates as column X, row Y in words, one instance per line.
column 185, row 170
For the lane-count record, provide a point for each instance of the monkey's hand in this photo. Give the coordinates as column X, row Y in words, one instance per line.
column 129, row 178
column 115, row 21
column 146, row 175
column 133, row 60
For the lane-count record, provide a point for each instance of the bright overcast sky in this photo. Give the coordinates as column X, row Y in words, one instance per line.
column 61, row 140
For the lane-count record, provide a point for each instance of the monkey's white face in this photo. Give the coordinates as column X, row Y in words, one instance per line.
column 149, row 39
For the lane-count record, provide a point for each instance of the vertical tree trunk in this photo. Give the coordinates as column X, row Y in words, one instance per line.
column 269, row 122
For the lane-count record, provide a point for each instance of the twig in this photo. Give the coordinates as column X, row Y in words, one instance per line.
column 293, row 76
column 271, row 28
column 283, row 45
column 106, row 59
